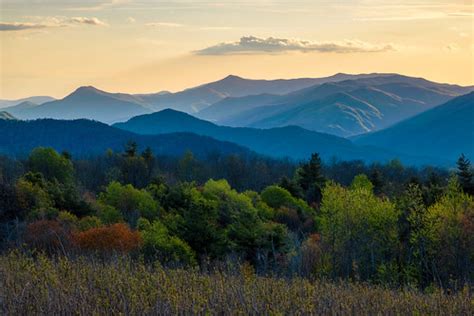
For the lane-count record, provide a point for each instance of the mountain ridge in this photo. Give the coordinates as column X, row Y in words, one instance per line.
column 290, row 141
column 84, row 138
column 444, row 131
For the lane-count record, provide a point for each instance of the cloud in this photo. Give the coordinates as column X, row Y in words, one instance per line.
column 164, row 24
column 252, row 44
column 50, row 22
column 16, row 26
column 89, row 21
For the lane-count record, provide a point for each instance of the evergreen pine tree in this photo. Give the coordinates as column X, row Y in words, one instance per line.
column 465, row 175
column 310, row 178
column 131, row 149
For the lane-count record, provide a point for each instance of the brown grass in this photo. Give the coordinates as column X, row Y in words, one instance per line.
column 85, row 286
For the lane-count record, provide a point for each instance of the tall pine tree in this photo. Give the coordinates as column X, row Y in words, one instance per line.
column 465, row 175
column 310, row 178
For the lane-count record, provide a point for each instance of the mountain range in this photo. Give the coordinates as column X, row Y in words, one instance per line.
column 85, row 102
column 445, row 132
column 84, row 138
column 372, row 117
column 198, row 98
column 344, row 108
column 36, row 100
column 342, row 104
column 290, row 141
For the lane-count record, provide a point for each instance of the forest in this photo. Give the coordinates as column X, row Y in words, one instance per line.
column 262, row 225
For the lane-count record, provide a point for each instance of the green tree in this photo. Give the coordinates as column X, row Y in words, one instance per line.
column 310, row 178
column 450, row 229
column 465, row 174
column 188, row 167
column 291, row 186
column 32, row 196
column 249, row 233
column 358, row 229
column 200, row 226
column 131, row 149
column 134, row 171
column 414, row 240
column 158, row 244
column 292, row 212
column 132, row 203
column 51, row 165
column 377, row 180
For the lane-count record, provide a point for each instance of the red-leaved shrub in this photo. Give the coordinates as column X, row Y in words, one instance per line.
column 113, row 238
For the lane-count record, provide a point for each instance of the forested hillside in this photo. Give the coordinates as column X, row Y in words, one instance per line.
column 382, row 224
column 445, row 131
column 88, row 138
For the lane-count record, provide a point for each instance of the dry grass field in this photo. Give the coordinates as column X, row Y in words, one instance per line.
column 44, row 286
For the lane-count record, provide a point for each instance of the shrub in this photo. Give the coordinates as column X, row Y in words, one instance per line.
column 105, row 239
column 47, row 235
column 158, row 244
column 89, row 222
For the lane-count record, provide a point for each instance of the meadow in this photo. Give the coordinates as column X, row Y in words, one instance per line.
column 41, row 285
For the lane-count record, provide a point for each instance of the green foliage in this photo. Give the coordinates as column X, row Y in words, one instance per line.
column 465, row 174
column 32, row 196
column 188, row 167
column 88, row 222
column 362, row 182
column 277, row 197
column 228, row 201
column 131, row 202
column 109, row 215
column 310, row 178
column 52, row 165
column 450, row 229
column 356, row 232
column 359, row 229
column 201, row 228
column 67, row 220
column 292, row 212
column 246, row 231
column 158, row 244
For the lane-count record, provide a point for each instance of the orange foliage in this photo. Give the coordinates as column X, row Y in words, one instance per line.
column 116, row 237
column 47, row 235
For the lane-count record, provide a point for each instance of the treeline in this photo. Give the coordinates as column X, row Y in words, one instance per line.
column 386, row 224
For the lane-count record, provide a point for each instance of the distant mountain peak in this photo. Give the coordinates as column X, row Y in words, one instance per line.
column 233, row 77
column 86, row 89
column 86, row 92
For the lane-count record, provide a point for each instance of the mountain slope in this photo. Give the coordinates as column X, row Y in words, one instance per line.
column 6, row 116
column 35, row 99
column 291, row 141
column 232, row 106
column 88, row 103
column 349, row 107
column 84, row 138
column 198, row 98
column 21, row 109
column 445, row 131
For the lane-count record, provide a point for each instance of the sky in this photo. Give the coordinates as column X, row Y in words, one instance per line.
column 51, row 47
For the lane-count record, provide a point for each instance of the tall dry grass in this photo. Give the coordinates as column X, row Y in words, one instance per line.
column 44, row 286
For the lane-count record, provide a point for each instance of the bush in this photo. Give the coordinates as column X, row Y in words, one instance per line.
column 47, row 235
column 158, row 244
column 106, row 239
